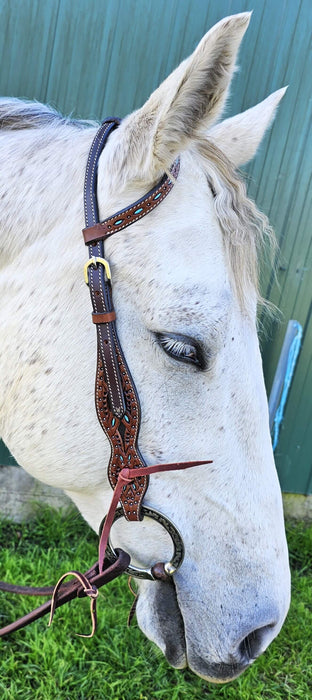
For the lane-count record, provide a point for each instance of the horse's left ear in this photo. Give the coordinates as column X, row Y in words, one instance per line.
column 239, row 137
column 181, row 108
column 193, row 96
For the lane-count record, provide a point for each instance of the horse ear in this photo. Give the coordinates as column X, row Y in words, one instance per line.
column 193, row 96
column 240, row 136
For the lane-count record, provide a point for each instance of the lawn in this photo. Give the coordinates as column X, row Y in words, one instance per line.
column 119, row 663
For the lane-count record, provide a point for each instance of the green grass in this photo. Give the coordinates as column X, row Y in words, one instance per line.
column 119, row 663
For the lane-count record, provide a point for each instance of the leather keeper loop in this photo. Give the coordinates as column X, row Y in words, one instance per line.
column 104, row 318
column 91, row 234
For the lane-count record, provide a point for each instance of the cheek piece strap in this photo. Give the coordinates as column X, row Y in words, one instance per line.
column 116, row 398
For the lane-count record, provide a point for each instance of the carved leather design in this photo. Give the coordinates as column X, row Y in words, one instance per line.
column 126, row 217
column 122, row 434
column 117, row 403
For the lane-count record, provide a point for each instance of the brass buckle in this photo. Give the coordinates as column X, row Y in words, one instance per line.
column 178, row 547
column 95, row 261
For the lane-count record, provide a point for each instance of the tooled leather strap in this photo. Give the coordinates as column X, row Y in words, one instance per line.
column 100, row 291
column 134, row 212
column 116, row 399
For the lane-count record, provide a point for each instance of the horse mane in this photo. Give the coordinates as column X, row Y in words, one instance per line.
column 16, row 114
column 247, row 234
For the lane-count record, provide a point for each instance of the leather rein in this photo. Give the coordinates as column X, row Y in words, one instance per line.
column 117, row 407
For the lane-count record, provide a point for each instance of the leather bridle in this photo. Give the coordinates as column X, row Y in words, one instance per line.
column 117, row 407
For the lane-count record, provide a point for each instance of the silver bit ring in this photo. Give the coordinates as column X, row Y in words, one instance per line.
column 170, row 567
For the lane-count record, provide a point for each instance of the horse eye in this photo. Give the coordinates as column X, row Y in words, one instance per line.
column 181, row 348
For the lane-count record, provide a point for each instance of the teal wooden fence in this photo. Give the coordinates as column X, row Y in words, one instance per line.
column 93, row 58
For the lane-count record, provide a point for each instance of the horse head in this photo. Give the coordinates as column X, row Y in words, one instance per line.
column 186, row 292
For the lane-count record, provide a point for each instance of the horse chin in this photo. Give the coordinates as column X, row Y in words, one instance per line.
column 160, row 619
column 217, row 673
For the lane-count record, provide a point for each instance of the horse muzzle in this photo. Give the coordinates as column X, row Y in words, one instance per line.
column 216, row 649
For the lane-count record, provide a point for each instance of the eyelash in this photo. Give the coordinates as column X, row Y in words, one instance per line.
column 182, row 349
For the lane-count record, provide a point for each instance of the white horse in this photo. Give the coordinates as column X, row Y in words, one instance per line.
column 185, row 290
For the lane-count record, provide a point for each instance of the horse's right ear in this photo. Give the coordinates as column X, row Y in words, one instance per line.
column 192, row 97
column 239, row 137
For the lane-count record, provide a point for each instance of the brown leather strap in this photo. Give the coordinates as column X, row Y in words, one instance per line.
column 122, row 433
column 26, row 590
column 116, row 399
column 127, row 476
column 134, row 212
column 134, row 604
column 88, row 589
column 99, row 285
column 72, row 590
column 101, row 297
column 104, row 318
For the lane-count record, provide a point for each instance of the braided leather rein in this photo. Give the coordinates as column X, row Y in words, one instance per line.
column 117, row 407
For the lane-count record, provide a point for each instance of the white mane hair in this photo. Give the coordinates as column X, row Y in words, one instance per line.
column 16, row 114
column 247, row 233
column 246, row 230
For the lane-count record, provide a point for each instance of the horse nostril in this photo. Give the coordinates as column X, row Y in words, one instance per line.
column 254, row 644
